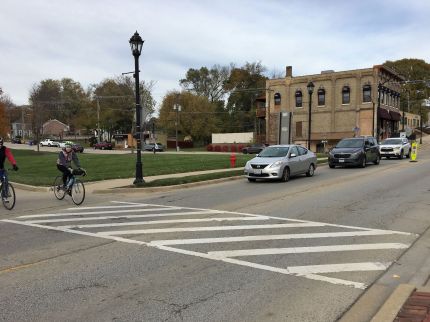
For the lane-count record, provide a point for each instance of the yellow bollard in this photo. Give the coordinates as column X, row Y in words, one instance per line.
column 414, row 152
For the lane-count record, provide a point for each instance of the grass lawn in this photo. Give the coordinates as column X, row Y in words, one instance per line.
column 39, row 168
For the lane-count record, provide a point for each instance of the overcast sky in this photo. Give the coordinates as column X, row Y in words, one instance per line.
column 87, row 40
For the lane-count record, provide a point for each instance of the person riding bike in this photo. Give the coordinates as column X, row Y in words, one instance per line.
column 5, row 153
column 64, row 162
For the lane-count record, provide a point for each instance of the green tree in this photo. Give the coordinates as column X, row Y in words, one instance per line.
column 207, row 82
column 244, row 85
column 196, row 118
column 417, row 85
column 115, row 99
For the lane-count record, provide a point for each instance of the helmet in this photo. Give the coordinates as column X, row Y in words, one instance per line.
column 68, row 144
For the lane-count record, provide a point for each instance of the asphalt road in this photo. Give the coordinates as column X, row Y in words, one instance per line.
column 304, row 250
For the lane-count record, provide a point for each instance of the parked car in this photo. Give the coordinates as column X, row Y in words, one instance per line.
column 78, row 148
column 16, row 140
column 354, row 151
column 103, row 146
column 62, row 144
column 254, row 148
column 395, row 147
column 281, row 162
column 49, row 142
column 150, row 147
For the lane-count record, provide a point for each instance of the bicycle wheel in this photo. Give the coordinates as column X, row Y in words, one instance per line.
column 78, row 192
column 9, row 201
column 59, row 192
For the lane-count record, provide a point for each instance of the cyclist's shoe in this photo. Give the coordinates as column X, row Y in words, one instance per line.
column 69, row 191
column 5, row 200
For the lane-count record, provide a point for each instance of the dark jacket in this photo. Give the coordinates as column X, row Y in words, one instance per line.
column 66, row 159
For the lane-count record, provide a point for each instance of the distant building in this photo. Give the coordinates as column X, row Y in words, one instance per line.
column 344, row 104
column 55, row 128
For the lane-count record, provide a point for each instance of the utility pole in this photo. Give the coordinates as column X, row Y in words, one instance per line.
column 98, row 119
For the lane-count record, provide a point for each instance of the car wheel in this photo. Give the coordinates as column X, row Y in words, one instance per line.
column 378, row 159
column 102, row 148
column 49, row 144
column 331, row 166
column 285, row 175
column 400, row 155
column 245, row 152
column 363, row 162
column 311, row 171
column 251, row 179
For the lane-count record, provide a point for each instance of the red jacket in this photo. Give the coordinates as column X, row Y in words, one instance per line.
column 6, row 153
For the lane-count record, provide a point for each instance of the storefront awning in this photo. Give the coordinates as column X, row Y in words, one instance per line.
column 384, row 114
column 395, row 116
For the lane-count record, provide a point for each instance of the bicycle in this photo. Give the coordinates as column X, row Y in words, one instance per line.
column 74, row 187
column 7, row 196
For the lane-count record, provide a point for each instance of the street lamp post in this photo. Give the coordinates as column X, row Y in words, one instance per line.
column 177, row 108
column 310, row 87
column 136, row 44
column 377, row 112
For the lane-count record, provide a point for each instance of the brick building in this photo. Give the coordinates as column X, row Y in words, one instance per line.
column 344, row 104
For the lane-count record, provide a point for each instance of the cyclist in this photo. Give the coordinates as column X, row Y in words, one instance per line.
column 5, row 153
column 64, row 162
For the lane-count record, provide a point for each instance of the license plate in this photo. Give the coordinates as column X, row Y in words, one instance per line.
column 341, row 160
column 257, row 171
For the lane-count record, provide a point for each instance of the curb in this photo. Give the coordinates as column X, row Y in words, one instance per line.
column 164, row 188
column 394, row 303
column 30, row 188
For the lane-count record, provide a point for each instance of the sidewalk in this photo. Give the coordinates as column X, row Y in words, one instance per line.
column 402, row 294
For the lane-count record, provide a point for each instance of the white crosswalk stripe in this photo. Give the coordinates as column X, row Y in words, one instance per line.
column 232, row 246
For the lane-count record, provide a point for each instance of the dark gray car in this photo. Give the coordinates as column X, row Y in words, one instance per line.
column 354, row 152
column 281, row 162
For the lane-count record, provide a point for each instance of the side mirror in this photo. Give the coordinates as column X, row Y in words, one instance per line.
column 293, row 155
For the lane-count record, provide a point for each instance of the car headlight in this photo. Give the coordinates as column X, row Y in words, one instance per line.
column 247, row 165
column 396, row 148
column 275, row 164
column 356, row 154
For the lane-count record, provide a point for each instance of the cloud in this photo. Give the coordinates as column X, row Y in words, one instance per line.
column 88, row 40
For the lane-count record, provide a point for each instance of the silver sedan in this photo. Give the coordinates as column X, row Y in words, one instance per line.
column 281, row 162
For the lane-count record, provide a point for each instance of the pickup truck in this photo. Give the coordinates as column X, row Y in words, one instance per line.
column 49, row 142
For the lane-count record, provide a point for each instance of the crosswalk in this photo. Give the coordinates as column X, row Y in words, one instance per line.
column 244, row 239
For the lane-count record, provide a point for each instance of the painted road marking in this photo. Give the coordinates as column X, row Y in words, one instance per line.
column 173, row 221
column 266, row 237
column 211, row 228
column 302, row 250
column 123, row 209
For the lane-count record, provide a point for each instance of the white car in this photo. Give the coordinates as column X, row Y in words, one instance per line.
column 395, row 148
column 49, row 142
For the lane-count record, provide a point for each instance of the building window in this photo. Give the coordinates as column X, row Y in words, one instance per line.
column 321, row 97
column 346, row 95
column 299, row 129
column 367, row 93
column 299, row 99
column 277, row 99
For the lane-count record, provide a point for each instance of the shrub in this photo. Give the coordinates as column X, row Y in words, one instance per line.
column 217, row 148
column 225, row 148
column 233, row 148
column 240, row 147
column 210, row 147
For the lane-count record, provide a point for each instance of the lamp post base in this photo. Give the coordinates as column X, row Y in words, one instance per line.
column 138, row 181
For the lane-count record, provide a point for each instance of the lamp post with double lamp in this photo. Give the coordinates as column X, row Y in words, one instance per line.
column 310, row 87
column 177, row 108
column 136, row 44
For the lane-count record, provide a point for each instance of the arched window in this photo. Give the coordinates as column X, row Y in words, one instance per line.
column 321, row 97
column 299, row 98
column 346, row 95
column 277, row 99
column 367, row 93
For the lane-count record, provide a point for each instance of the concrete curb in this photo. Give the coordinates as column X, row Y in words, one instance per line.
column 165, row 188
column 394, row 303
column 30, row 188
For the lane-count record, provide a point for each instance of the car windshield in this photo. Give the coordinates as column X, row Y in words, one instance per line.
column 391, row 141
column 274, row 152
column 352, row 143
